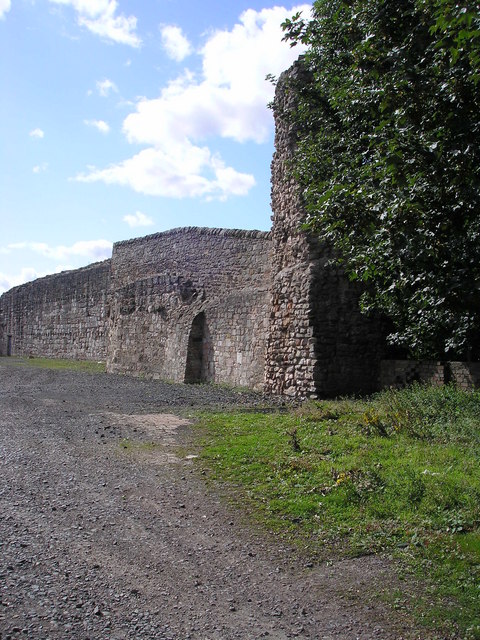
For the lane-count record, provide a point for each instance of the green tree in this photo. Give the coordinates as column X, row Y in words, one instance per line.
column 388, row 159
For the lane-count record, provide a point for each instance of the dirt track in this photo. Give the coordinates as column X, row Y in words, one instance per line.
column 100, row 541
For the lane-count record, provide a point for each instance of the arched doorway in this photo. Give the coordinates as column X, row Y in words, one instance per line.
column 199, row 366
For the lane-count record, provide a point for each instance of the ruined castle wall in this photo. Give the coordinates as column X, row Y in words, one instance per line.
column 319, row 344
column 59, row 316
column 161, row 283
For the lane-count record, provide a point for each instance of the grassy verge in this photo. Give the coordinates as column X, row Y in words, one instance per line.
column 397, row 473
column 51, row 363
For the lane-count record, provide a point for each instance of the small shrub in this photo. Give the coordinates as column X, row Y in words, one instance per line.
column 373, row 424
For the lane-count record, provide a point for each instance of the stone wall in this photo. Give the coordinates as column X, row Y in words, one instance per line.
column 59, row 316
column 193, row 286
column 400, row 373
column 188, row 304
column 319, row 343
column 268, row 311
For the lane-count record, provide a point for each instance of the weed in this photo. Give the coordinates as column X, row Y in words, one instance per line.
column 432, row 413
column 294, row 442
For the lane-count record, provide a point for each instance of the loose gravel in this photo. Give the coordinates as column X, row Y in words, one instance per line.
column 109, row 531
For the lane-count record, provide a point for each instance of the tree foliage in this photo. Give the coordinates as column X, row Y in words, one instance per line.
column 388, row 159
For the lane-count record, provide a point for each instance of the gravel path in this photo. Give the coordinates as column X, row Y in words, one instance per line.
column 104, row 536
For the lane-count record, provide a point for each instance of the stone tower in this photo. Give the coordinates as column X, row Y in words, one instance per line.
column 318, row 342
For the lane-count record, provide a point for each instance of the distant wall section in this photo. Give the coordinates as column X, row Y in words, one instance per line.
column 400, row 373
column 59, row 316
column 191, row 304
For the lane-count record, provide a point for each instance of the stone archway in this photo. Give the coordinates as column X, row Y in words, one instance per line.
column 200, row 365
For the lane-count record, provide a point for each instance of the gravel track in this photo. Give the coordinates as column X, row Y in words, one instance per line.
column 106, row 536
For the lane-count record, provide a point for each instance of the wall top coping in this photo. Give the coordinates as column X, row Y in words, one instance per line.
column 198, row 231
column 61, row 274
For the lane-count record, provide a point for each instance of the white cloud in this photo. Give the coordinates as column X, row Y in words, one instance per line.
column 228, row 100
column 138, row 219
column 91, row 249
column 36, row 133
column 40, row 168
column 8, row 280
column 27, row 274
column 176, row 45
column 176, row 173
column 104, row 87
column 82, row 251
column 99, row 17
column 101, row 125
column 4, row 8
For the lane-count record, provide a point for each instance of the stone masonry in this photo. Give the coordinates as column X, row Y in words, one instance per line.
column 59, row 316
column 162, row 283
column 269, row 311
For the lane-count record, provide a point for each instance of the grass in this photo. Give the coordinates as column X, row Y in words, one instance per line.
column 397, row 473
column 131, row 446
column 56, row 364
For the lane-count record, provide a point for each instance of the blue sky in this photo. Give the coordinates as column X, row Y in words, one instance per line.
column 124, row 118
